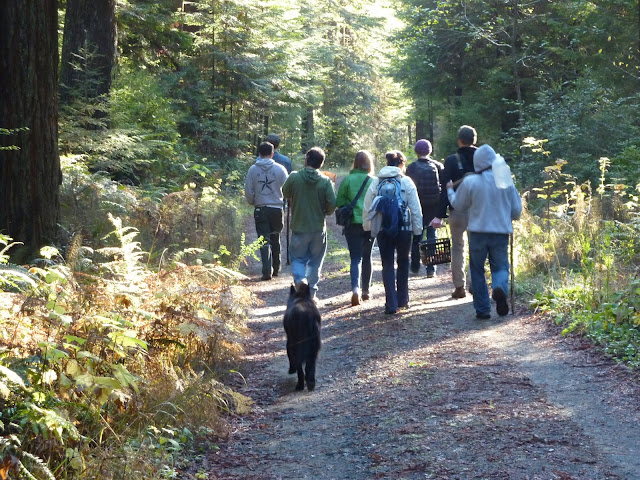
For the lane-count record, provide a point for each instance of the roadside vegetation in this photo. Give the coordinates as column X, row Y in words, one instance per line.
column 119, row 341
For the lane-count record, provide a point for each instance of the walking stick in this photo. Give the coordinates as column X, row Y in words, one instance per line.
column 512, row 274
column 288, row 220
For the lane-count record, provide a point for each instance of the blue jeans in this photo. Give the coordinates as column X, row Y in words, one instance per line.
column 496, row 247
column 396, row 289
column 307, row 251
column 359, row 243
column 415, row 249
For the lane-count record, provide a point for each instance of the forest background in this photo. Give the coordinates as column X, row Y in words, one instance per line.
column 127, row 128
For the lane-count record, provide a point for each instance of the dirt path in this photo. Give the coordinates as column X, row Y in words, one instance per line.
column 432, row 393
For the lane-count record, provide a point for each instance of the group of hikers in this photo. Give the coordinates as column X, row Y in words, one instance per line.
column 400, row 208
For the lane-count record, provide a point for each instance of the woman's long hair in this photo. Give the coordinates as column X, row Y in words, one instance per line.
column 364, row 161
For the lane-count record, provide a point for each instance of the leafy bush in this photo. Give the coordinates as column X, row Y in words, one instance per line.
column 110, row 360
column 585, row 245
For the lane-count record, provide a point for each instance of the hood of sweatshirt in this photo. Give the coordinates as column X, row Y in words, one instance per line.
column 310, row 175
column 386, row 172
column 483, row 158
column 264, row 163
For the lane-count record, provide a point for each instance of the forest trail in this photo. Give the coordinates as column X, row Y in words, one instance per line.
column 431, row 393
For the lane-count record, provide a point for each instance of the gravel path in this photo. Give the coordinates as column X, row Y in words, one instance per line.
column 431, row 393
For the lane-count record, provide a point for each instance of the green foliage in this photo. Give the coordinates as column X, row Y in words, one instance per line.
column 114, row 374
column 585, row 245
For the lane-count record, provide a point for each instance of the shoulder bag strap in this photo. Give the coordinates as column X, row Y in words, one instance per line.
column 355, row 199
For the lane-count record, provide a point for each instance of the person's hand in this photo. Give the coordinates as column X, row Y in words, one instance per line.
column 449, row 184
column 436, row 222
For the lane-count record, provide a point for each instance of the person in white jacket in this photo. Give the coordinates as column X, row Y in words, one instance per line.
column 396, row 286
column 492, row 204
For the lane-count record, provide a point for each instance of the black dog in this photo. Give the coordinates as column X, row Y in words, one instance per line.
column 302, row 325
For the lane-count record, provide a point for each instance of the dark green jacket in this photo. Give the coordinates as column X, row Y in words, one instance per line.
column 312, row 198
column 349, row 189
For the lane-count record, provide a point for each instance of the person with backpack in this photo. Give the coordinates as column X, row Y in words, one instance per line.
column 392, row 214
column 263, row 189
column 359, row 241
column 312, row 198
column 493, row 203
column 425, row 173
column 457, row 166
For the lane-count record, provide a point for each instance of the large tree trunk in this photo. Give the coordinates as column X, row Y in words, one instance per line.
column 29, row 177
column 308, row 130
column 89, row 40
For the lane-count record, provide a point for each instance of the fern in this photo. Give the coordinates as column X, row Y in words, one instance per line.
column 12, row 447
column 127, row 264
column 16, row 277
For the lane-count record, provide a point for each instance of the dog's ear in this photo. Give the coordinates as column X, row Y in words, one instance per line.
column 292, row 290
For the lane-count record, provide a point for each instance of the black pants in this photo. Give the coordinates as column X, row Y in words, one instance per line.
column 269, row 224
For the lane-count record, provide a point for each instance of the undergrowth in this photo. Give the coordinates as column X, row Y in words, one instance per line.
column 578, row 254
column 109, row 369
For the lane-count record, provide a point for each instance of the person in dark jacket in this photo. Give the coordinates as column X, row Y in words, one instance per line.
column 457, row 166
column 359, row 241
column 425, row 173
column 283, row 160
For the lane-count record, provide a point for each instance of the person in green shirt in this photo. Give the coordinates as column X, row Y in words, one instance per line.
column 359, row 241
column 312, row 198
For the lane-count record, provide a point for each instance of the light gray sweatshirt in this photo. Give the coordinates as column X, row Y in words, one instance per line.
column 491, row 209
column 263, row 185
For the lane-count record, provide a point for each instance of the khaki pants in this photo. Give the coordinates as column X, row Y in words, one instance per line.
column 458, row 223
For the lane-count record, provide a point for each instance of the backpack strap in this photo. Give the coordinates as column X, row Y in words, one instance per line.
column 459, row 160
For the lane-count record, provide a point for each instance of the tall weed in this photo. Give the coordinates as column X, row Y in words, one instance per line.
column 584, row 244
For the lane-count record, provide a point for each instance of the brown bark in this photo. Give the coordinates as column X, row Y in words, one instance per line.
column 29, row 177
column 308, row 130
column 90, row 25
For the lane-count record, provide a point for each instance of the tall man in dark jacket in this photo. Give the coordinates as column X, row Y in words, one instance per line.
column 283, row 160
column 457, row 166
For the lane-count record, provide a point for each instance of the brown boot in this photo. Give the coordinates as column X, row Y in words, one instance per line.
column 355, row 300
column 459, row 293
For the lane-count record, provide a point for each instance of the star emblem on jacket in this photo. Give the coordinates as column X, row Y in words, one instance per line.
column 266, row 183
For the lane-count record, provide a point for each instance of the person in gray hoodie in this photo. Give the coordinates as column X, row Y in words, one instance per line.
column 491, row 212
column 263, row 189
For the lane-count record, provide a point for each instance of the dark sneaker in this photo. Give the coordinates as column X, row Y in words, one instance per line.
column 459, row 293
column 275, row 273
column 483, row 316
column 265, row 277
column 403, row 307
column 431, row 274
column 502, row 307
column 389, row 312
column 365, row 295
